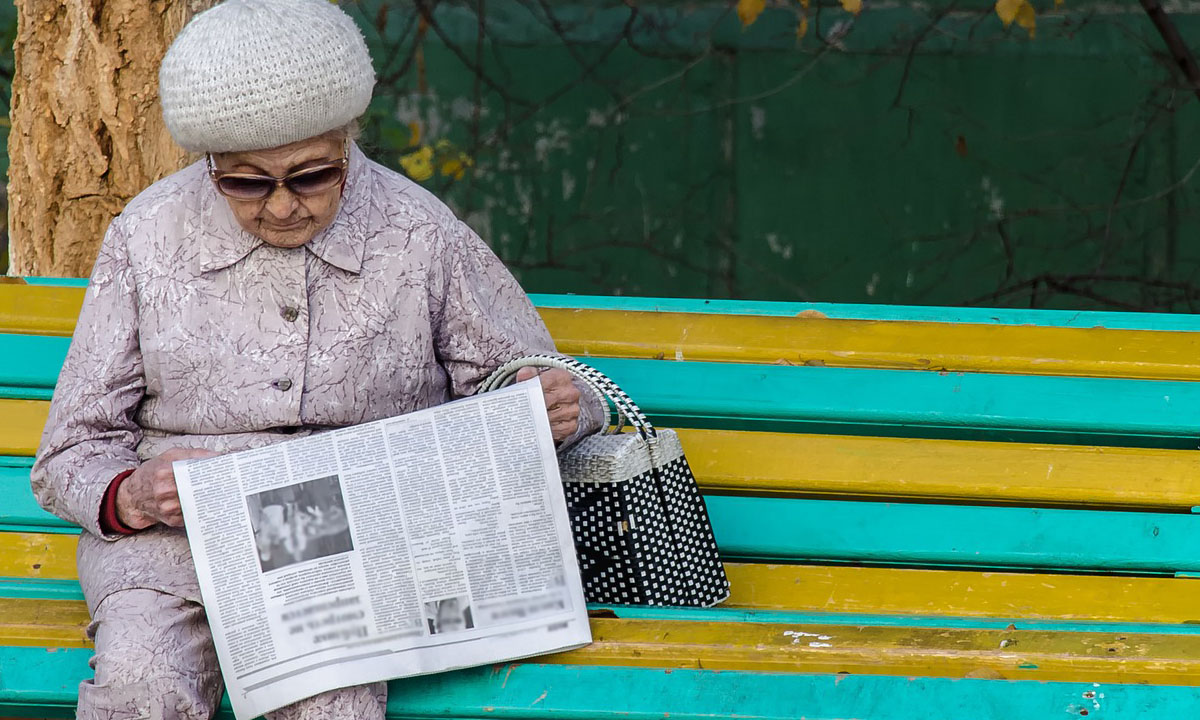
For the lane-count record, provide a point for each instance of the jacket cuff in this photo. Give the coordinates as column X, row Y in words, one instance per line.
column 110, row 520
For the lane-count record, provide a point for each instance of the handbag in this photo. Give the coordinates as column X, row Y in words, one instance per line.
column 641, row 529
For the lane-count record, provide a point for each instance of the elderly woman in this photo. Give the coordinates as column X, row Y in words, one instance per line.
column 283, row 285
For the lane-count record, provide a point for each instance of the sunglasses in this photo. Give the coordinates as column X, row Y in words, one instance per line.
column 303, row 183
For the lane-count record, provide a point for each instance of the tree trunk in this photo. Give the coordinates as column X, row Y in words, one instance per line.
column 87, row 131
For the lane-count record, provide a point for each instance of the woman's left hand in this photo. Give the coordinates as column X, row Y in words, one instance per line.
column 562, row 400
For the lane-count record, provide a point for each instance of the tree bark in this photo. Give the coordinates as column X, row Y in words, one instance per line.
column 87, row 131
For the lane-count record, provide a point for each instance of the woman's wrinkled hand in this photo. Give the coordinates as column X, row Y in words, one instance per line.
column 149, row 496
column 562, row 400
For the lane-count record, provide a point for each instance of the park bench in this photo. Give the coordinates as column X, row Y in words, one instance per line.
column 926, row 513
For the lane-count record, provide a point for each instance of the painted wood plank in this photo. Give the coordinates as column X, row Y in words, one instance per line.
column 730, row 461
column 879, row 344
column 742, row 615
column 863, row 401
column 35, row 680
column 861, row 594
column 1011, row 654
column 868, row 401
column 954, row 346
column 801, row 530
column 1017, row 473
column 21, row 423
column 19, row 509
column 33, row 561
column 55, row 281
column 40, row 556
column 39, row 309
column 31, row 360
column 927, row 652
column 794, row 530
column 1179, row 322
column 43, row 623
column 974, row 594
column 850, row 311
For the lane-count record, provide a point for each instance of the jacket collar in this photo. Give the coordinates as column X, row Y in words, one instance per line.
column 342, row 244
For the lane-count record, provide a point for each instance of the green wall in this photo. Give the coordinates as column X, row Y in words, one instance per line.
column 919, row 153
column 914, row 154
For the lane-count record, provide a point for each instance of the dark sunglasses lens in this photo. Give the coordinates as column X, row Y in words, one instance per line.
column 245, row 188
column 315, row 181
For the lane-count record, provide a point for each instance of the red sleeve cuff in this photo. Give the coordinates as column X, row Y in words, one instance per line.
column 110, row 523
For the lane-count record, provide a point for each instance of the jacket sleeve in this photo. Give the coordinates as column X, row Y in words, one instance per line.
column 483, row 319
column 91, row 435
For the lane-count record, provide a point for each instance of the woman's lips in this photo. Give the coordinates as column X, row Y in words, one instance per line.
column 277, row 227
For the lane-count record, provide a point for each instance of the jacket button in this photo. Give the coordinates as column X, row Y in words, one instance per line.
column 282, row 384
column 289, row 313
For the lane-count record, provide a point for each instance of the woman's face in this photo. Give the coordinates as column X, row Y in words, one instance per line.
column 284, row 219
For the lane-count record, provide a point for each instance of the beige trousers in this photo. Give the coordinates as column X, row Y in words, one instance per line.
column 155, row 659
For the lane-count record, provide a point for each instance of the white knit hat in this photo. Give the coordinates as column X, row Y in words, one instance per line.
column 256, row 74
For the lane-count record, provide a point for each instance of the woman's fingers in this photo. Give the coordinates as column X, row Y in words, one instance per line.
column 561, row 397
column 564, row 429
column 150, row 495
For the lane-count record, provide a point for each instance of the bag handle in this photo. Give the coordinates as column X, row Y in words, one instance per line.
column 607, row 391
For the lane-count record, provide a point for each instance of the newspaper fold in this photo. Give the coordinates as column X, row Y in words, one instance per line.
column 421, row 543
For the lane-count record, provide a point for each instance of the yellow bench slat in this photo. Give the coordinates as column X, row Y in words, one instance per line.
column 727, row 461
column 45, row 623
column 847, row 590
column 928, row 652
column 968, row 347
column 21, row 423
column 42, row 556
column 896, row 591
column 955, row 470
column 808, row 648
column 38, row 309
column 1021, row 349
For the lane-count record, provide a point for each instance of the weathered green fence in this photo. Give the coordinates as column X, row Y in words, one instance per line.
column 915, row 153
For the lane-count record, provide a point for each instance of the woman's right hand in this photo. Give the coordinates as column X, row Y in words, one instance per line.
column 149, row 496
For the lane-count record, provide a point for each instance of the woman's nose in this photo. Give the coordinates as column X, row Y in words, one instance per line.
column 281, row 203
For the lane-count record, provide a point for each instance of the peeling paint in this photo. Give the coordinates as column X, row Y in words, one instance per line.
column 799, row 636
column 758, row 121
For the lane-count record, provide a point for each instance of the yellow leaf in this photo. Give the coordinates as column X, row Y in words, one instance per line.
column 453, row 167
column 418, row 165
column 1027, row 18
column 414, row 134
column 852, row 6
column 802, row 27
column 1008, row 9
column 749, row 10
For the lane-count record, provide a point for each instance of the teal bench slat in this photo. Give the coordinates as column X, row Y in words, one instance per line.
column 791, row 530
column 31, row 360
column 18, row 510
column 900, row 402
column 57, row 281
column 16, row 392
column 44, row 683
column 852, row 311
column 1112, row 411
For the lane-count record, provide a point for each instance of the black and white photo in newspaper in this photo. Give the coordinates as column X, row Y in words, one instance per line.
column 417, row 544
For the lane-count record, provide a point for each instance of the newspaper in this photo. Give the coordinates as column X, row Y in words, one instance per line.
column 422, row 543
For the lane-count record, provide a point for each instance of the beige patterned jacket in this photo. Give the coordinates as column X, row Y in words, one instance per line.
column 194, row 333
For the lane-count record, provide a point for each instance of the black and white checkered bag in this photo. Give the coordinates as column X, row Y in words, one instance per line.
column 641, row 529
